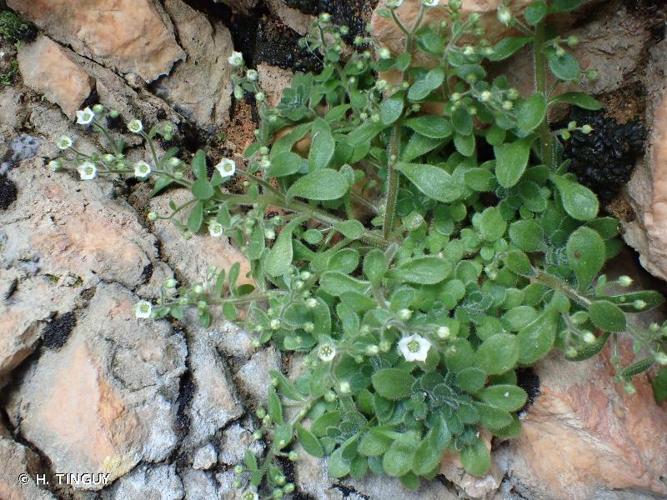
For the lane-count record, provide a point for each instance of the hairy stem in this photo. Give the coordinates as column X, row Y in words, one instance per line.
column 546, row 139
column 392, row 182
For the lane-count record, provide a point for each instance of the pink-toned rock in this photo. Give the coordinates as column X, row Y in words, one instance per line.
column 274, row 80
column 49, row 69
column 129, row 35
column 17, row 474
column 106, row 400
column 585, row 438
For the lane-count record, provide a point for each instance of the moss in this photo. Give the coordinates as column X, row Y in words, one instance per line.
column 13, row 29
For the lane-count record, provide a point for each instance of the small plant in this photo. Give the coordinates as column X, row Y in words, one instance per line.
column 411, row 243
column 13, row 29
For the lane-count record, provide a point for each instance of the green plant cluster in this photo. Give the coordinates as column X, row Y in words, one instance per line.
column 412, row 243
column 13, row 29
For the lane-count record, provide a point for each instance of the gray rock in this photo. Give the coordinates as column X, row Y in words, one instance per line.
column 199, row 485
column 235, row 441
column 205, row 457
column 17, row 474
column 158, row 482
column 254, row 377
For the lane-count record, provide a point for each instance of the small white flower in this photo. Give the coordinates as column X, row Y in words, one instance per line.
column 344, row 387
column 414, row 348
column 85, row 116
column 443, row 332
column 430, row 3
column 236, row 59
column 226, row 167
column 135, row 126
column 64, row 142
column 215, row 229
column 55, row 165
column 87, row 171
column 259, row 96
column 394, row 4
column 143, row 309
column 384, row 53
column 252, row 75
column 504, row 15
column 142, row 169
column 326, row 352
column 249, row 495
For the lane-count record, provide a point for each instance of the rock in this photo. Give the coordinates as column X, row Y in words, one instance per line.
column 254, row 377
column 205, row 457
column 647, row 190
column 584, row 437
column 17, row 475
column 214, row 401
column 243, row 6
column 235, row 441
column 199, row 485
column 226, row 490
column 159, row 482
column 49, row 69
column 274, row 81
column 291, row 17
column 192, row 257
column 231, row 339
column 12, row 109
column 312, row 478
column 131, row 36
column 106, row 400
column 200, row 86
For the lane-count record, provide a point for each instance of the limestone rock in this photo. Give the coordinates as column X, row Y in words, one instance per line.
column 274, row 80
column 205, row 457
column 17, row 480
column 160, row 482
column 199, row 87
column 235, row 441
column 291, row 17
column 106, row 400
column 254, row 377
column 199, row 485
column 129, row 35
column 48, row 68
column 584, row 437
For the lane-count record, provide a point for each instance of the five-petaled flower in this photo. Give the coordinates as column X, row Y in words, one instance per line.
column 215, row 229
column 135, row 126
column 85, row 116
column 143, row 309
column 236, row 59
column 414, row 348
column 64, row 142
column 226, row 167
column 326, row 352
column 87, row 171
column 142, row 169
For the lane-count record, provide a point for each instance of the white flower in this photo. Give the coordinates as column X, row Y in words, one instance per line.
column 143, row 309
column 55, row 165
column 414, row 348
column 226, row 167
column 259, row 96
column 252, row 75
column 85, row 116
column 87, row 170
column 249, row 495
column 64, row 142
column 384, row 53
column 394, row 4
column 142, row 169
column 236, row 59
column 430, row 3
column 326, row 352
column 215, row 229
column 135, row 126
column 504, row 15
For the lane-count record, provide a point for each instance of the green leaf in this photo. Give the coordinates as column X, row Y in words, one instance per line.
column 323, row 184
column 338, row 465
column 580, row 100
column 506, row 397
column 585, row 251
column 202, row 189
column 491, row 224
column 423, row 270
column 659, row 384
column 434, row 182
column 199, row 165
column 419, row 145
column 392, row 383
column 535, row 12
column 374, row 444
column 564, row 67
column 391, row 108
column 275, row 408
column 336, row 284
column 322, row 146
column 423, row 87
column 579, row 202
column 471, row 379
column 196, row 217
column 462, row 121
column 607, row 316
column 531, row 113
column 519, row 263
column 375, row 265
column 498, row 354
column 590, row 350
column 564, row 5
column 479, row 179
column 511, row 161
column 280, row 256
column 508, row 46
column 537, row 338
column 476, row 458
column 465, row 144
column 399, row 457
column 309, row 442
column 286, row 163
column 352, row 229
column 434, row 127
column 626, row 301
column 528, row 235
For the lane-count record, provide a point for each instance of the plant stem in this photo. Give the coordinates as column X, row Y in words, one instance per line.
column 557, row 284
column 546, row 139
column 392, row 182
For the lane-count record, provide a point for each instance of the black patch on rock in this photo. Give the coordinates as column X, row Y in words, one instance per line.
column 147, row 272
column 276, row 44
column 185, row 393
column 528, row 380
column 8, row 192
column 57, row 331
column 604, row 159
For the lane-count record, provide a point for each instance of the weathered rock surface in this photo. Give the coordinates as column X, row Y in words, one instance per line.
column 584, row 437
column 105, row 400
column 19, row 464
column 199, row 87
column 49, row 69
column 254, row 377
column 159, row 482
column 274, row 81
column 130, row 36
